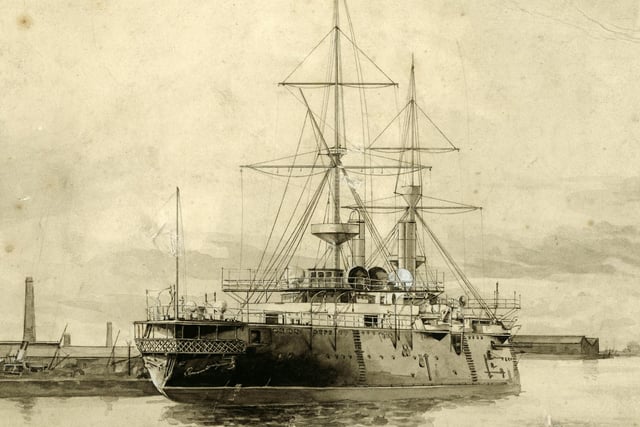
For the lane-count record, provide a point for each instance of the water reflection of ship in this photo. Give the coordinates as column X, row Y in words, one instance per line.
column 370, row 314
column 396, row 412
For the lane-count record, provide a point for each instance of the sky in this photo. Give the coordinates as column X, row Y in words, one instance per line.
column 108, row 106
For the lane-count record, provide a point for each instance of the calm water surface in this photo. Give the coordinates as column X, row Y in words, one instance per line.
column 554, row 393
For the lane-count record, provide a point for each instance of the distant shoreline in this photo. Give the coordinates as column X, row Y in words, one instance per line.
column 75, row 387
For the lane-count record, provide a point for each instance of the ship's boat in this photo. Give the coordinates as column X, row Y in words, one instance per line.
column 367, row 318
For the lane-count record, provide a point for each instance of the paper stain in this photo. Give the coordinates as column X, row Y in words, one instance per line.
column 24, row 21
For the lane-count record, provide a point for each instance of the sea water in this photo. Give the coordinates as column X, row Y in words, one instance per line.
column 602, row 392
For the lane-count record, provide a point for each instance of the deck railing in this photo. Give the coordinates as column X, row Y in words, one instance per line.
column 497, row 303
column 158, row 311
column 189, row 346
column 322, row 318
column 248, row 280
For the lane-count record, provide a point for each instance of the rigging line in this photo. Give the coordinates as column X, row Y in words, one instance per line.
column 464, row 278
column 329, row 72
column 433, row 211
column 371, row 173
column 418, row 153
column 327, row 213
column 324, row 257
column 466, row 97
column 269, row 201
column 386, row 211
column 367, row 56
column 308, row 55
column 366, row 137
column 466, row 90
column 277, row 174
column 344, row 258
column 252, row 165
column 484, row 276
column 326, row 95
column 437, row 128
column 387, row 239
column 369, row 222
column 406, row 124
column 464, row 222
column 281, row 178
column 408, row 131
column 387, row 127
column 452, row 202
column 382, row 199
column 432, row 150
column 317, row 135
column 340, row 90
column 321, row 119
column 428, row 267
column 286, row 257
column 181, row 247
column 400, row 162
column 161, row 228
column 317, row 128
column 424, row 251
column 241, row 217
column 421, row 247
column 415, row 128
column 319, row 246
column 327, row 207
column 351, row 85
column 448, row 262
column 282, row 200
column 396, row 96
column 274, row 259
column 166, row 202
column 280, row 246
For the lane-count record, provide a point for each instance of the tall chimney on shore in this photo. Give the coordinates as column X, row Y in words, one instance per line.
column 109, row 335
column 29, row 330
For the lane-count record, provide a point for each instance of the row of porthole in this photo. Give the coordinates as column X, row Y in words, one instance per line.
column 383, row 332
column 337, row 356
column 475, row 337
column 350, row 356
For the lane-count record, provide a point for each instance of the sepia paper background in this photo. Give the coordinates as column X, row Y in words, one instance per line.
column 107, row 106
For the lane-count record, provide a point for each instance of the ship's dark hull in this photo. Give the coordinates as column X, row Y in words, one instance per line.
column 298, row 363
column 255, row 370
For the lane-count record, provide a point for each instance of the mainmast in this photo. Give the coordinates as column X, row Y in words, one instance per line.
column 333, row 230
column 336, row 153
column 336, row 232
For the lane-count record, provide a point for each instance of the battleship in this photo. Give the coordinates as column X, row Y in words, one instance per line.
column 367, row 318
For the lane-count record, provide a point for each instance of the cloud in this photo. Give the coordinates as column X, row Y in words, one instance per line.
column 612, row 198
column 598, row 248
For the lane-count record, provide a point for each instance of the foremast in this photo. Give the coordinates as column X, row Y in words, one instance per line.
column 411, row 192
